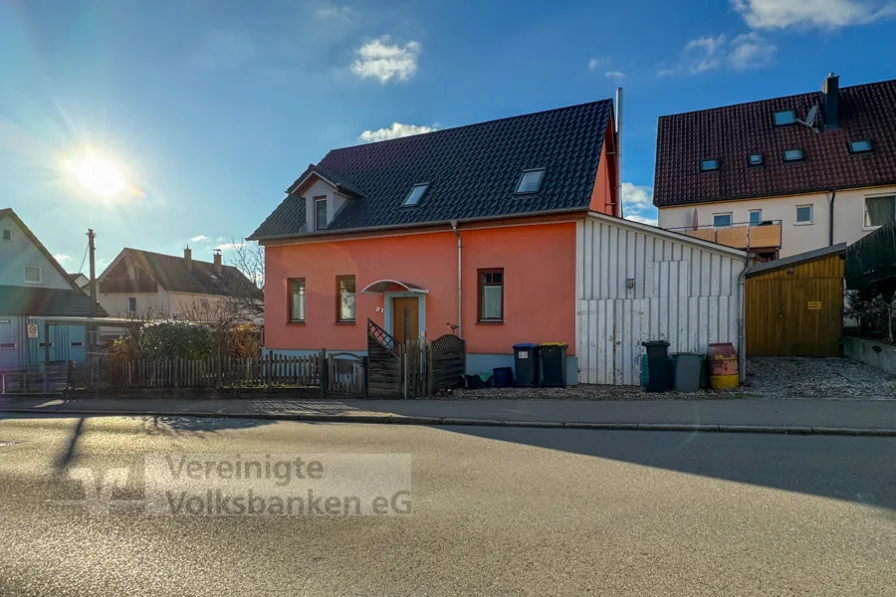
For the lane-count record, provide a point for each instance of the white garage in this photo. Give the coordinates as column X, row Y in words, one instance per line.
column 636, row 282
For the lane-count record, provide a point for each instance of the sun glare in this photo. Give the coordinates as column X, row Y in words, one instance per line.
column 97, row 175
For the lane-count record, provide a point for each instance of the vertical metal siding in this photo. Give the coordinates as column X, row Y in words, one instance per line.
column 683, row 294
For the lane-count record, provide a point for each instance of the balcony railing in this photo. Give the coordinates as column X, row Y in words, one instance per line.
column 128, row 285
column 763, row 236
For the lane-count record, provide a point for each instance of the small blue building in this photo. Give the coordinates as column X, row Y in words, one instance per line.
column 33, row 284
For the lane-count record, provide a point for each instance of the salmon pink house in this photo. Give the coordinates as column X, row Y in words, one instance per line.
column 482, row 230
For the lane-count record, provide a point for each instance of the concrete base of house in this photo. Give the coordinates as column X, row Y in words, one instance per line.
column 476, row 363
column 871, row 352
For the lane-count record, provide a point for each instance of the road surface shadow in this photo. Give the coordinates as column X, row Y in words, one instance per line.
column 855, row 469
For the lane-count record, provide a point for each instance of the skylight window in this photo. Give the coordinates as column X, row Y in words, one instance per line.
column 415, row 195
column 755, row 159
column 794, row 155
column 709, row 165
column 785, row 117
column 530, row 181
column 860, row 146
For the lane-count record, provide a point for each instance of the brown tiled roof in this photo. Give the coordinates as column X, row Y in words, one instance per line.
column 173, row 275
column 731, row 133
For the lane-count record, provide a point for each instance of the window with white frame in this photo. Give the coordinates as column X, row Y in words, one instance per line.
column 33, row 274
column 721, row 220
column 755, row 217
column 879, row 210
column 320, row 213
column 804, row 214
column 132, row 304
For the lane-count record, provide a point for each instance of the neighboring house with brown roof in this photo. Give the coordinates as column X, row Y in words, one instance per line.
column 142, row 283
column 781, row 176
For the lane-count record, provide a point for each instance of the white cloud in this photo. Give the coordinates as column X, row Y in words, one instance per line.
column 384, row 61
column 705, row 53
column 614, row 74
column 334, row 12
column 393, row 132
column 823, row 14
column 751, row 51
column 61, row 257
column 199, row 238
column 230, row 246
column 593, row 63
column 637, row 203
column 641, row 219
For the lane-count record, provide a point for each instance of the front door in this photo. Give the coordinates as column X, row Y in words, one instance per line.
column 405, row 318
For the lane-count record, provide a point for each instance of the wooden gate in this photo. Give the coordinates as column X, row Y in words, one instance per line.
column 448, row 362
column 794, row 306
column 384, row 363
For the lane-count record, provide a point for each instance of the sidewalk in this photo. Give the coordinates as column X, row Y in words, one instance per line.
column 782, row 416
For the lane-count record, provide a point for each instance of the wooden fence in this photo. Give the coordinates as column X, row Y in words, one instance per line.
column 340, row 373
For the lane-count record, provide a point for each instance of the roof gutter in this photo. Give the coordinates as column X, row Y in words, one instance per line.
column 451, row 223
column 831, row 218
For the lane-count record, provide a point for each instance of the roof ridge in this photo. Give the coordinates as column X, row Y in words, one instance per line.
column 771, row 99
column 472, row 124
column 181, row 257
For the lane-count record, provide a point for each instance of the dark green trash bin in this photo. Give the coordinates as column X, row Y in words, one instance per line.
column 525, row 360
column 553, row 364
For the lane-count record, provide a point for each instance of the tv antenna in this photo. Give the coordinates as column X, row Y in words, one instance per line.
column 811, row 115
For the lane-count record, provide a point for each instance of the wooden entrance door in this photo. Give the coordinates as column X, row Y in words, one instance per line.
column 405, row 318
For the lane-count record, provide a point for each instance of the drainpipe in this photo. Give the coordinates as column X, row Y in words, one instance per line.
column 741, row 322
column 460, row 333
column 618, row 127
column 831, row 218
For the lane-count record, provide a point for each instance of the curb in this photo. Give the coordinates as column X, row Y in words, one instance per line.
column 432, row 421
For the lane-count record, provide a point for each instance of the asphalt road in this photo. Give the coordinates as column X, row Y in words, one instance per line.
column 496, row 511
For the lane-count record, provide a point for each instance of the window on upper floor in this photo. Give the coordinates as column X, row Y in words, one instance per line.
column 804, row 215
column 879, row 210
column 709, row 165
column 530, row 181
column 415, row 195
column 785, row 117
column 33, row 274
column 860, row 146
column 794, row 155
column 755, row 159
column 320, row 213
column 755, row 217
column 7, row 235
column 721, row 220
column 345, row 299
column 296, row 302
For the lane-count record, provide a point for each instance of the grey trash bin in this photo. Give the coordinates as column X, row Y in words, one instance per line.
column 687, row 372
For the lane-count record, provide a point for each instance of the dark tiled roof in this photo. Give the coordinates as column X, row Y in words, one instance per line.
column 173, row 275
column 24, row 300
column 730, row 133
column 472, row 171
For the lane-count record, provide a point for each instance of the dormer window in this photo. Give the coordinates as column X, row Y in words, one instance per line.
column 754, row 159
column 794, row 155
column 709, row 165
column 785, row 117
column 415, row 195
column 530, row 181
column 860, row 146
column 320, row 213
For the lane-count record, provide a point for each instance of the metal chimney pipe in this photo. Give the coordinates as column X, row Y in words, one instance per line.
column 619, row 151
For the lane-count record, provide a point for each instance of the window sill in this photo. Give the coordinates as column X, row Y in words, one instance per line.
column 490, row 322
column 295, row 323
column 870, row 228
column 803, row 223
column 353, row 322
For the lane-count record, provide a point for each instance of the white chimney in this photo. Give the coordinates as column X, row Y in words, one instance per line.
column 188, row 258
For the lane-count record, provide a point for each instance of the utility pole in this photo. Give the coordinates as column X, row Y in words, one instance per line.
column 91, row 329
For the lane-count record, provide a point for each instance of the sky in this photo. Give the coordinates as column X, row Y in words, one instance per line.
column 214, row 107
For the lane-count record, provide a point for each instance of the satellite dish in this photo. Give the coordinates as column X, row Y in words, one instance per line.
column 810, row 118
